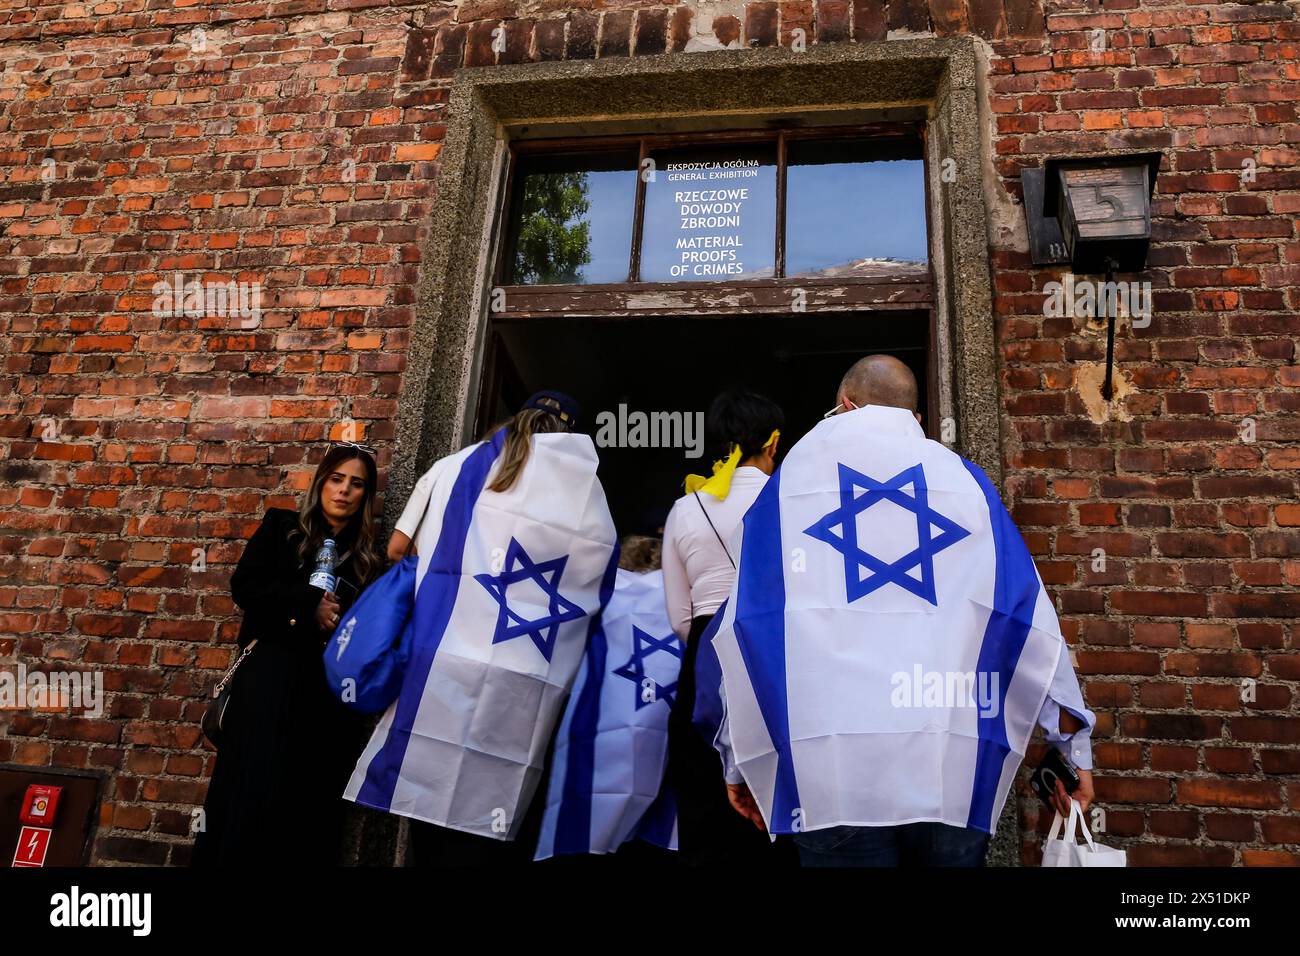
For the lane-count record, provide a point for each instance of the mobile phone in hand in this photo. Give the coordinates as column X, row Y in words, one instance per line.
column 345, row 591
column 1054, row 767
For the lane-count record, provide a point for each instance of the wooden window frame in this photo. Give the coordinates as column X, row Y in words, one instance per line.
column 907, row 290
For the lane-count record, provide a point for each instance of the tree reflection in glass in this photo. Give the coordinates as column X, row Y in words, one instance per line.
column 554, row 238
column 573, row 218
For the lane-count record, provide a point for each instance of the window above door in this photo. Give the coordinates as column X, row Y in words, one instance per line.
column 733, row 208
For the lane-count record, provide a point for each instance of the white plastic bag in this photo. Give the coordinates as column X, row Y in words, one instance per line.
column 1066, row 852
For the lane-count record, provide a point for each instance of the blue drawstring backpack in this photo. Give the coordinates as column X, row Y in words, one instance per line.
column 366, row 657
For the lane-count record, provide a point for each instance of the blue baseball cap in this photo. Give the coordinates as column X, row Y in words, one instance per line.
column 564, row 407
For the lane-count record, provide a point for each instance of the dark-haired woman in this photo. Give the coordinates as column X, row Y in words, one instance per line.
column 699, row 571
column 287, row 744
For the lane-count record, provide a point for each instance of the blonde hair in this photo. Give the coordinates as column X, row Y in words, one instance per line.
column 522, row 427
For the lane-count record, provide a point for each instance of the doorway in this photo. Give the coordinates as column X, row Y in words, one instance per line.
column 678, row 364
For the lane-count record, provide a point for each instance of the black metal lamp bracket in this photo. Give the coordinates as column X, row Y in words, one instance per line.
column 1107, row 385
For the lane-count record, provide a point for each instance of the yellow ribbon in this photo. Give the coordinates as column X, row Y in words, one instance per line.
column 719, row 485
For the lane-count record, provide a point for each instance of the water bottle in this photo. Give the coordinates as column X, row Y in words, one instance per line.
column 323, row 577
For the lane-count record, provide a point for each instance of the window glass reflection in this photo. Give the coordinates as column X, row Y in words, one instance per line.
column 854, row 208
column 572, row 219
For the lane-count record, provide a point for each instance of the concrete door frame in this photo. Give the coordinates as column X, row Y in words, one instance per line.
column 488, row 105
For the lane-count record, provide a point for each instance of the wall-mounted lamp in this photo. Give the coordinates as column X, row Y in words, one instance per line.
column 1103, row 205
column 1093, row 212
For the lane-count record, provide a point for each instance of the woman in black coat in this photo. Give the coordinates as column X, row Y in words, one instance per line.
column 288, row 745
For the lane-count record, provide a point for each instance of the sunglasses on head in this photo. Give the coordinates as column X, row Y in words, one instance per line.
column 351, row 444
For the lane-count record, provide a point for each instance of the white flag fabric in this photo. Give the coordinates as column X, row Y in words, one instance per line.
column 888, row 644
column 607, row 771
column 504, row 602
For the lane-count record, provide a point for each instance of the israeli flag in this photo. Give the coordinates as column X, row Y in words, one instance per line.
column 709, row 709
column 888, row 644
column 504, row 603
column 607, row 771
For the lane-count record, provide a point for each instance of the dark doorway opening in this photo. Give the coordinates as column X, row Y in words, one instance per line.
column 678, row 364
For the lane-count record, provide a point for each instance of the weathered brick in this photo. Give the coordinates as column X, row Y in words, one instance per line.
column 679, row 29
column 727, row 30
column 987, row 18
column 550, row 39
column 418, row 58
column 651, row 32
column 910, row 15
column 761, row 20
column 869, row 21
column 583, row 27
column 834, row 20
column 1209, row 792
column 449, row 49
column 616, row 33
column 480, row 43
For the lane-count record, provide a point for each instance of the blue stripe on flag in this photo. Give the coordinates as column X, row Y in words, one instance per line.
column 1015, row 592
column 760, row 635
column 435, row 597
column 658, row 824
column 573, row 823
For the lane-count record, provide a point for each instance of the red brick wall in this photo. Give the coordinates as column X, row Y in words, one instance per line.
column 129, row 440
column 1199, row 526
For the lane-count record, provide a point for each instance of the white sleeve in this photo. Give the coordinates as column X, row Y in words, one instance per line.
column 677, row 589
column 416, row 505
column 722, row 743
column 1064, row 694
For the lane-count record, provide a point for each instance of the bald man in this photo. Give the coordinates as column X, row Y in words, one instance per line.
column 882, row 383
column 877, row 380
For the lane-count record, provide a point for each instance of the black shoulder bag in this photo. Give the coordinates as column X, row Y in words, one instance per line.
column 214, row 714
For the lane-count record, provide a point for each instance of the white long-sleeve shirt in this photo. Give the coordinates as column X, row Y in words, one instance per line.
column 698, row 574
column 1064, row 694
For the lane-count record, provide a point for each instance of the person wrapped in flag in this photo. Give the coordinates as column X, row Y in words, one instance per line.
column 516, row 556
column 888, row 644
column 606, row 784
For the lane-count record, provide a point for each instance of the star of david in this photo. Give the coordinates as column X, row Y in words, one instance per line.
column 853, row 502
column 643, row 646
column 520, row 567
